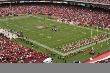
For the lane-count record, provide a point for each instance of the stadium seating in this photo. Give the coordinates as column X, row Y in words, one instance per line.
column 11, row 52
column 69, row 14
column 97, row 1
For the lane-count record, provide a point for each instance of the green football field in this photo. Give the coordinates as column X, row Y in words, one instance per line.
column 39, row 30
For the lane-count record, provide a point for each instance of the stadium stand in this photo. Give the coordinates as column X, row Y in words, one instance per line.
column 11, row 52
column 68, row 14
column 98, row 1
column 92, row 1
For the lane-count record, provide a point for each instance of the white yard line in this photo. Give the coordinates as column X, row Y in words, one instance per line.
column 85, row 47
column 76, row 25
column 60, row 53
column 44, row 46
column 82, row 27
column 13, row 18
column 19, row 17
column 52, row 49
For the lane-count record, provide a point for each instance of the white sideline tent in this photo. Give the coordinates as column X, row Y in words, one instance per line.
column 48, row 60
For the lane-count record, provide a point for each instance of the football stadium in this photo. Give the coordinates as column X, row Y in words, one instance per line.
column 54, row 31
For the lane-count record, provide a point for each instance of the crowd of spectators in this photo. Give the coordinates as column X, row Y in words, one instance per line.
column 96, row 1
column 68, row 14
column 11, row 52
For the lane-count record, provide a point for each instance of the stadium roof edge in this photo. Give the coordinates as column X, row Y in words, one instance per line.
column 86, row 2
column 33, row 1
column 64, row 1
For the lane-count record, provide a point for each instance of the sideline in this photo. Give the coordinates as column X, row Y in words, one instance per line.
column 64, row 54
column 44, row 46
column 14, row 18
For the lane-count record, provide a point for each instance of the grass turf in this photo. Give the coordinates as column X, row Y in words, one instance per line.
column 66, row 34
